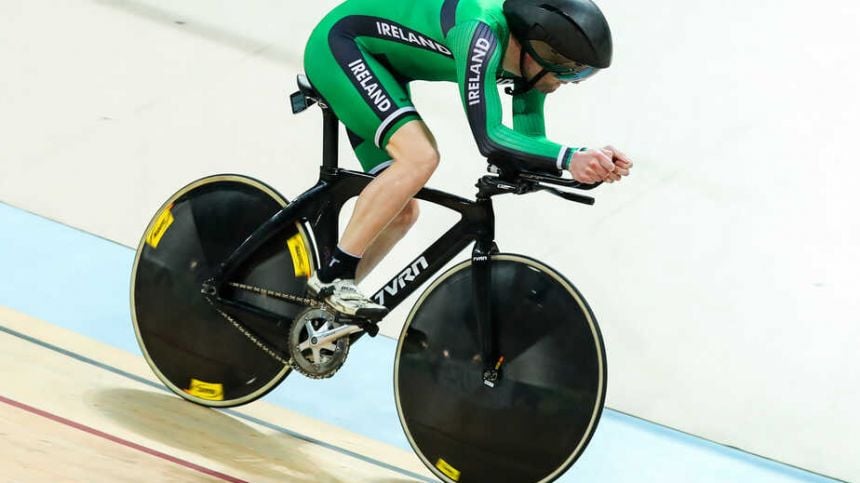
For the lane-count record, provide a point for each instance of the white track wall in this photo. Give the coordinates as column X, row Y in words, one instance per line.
column 723, row 271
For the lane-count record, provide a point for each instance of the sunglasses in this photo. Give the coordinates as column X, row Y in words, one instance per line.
column 564, row 69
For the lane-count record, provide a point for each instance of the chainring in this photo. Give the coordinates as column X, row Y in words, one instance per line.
column 311, row 359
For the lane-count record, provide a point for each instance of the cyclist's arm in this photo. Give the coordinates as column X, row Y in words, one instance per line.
column 528, row 114
column 478, row 54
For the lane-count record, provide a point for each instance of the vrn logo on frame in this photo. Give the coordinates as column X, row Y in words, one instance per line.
column 406, row 276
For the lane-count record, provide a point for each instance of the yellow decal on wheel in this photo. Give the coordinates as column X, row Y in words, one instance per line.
column 301, row 262
column 210, row 391
column 159, row 228
column 448, row 470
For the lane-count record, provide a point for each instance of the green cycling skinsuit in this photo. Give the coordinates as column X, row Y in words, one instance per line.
column 364, row 53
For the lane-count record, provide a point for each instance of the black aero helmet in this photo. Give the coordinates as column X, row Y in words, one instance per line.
column 564, row 36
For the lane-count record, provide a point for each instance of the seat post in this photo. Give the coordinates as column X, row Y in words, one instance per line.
column 330, row 133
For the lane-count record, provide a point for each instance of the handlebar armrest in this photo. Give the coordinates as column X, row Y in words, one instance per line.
column 540, row 177
column 558, row 180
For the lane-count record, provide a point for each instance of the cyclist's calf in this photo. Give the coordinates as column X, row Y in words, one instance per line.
column 385, row 241
column 406, row 219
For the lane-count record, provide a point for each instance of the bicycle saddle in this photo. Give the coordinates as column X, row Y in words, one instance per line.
column 305, row 86
column 306, row 96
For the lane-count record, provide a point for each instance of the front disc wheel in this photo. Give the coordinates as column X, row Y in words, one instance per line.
column 541, row 413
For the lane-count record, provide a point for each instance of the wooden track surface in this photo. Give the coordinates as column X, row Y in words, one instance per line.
column 73, row 409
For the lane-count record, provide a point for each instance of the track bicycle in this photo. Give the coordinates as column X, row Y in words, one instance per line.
column 500, row 369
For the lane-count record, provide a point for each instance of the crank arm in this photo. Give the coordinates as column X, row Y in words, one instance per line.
column 329, row 336
column 371, row 328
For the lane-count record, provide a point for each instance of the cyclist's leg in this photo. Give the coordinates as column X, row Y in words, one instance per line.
column 376, row 108
column 415, row 157
column 385, row 241
column 373, row 105
column 378, row 160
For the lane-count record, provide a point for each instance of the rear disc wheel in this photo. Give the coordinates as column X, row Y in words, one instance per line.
column 195, row 350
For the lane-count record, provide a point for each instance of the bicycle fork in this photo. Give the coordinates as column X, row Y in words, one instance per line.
column 482, row 252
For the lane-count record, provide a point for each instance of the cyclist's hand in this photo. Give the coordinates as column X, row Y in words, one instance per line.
column 591, row 166
column 622, row 162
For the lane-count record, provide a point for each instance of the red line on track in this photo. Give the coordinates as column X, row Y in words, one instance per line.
column 118, row 440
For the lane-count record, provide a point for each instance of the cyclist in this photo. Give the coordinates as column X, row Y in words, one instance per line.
column 361, row 58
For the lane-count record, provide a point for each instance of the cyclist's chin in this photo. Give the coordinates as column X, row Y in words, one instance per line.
column 547, row 88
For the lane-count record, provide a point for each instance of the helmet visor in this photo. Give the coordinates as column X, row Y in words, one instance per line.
column 550, row 59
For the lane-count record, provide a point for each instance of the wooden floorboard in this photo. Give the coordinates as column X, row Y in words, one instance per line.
column 73, row 409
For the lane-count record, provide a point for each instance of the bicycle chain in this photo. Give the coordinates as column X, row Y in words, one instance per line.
column 247, row 333
column 253, row 338
column 309, row 302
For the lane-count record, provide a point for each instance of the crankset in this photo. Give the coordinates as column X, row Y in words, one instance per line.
column 319, row 343
column 318, row 339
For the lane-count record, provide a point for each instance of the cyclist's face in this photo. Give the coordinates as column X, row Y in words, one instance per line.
column 546, row 84
column 561, row 70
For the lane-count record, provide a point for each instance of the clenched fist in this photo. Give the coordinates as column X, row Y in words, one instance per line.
column 595, row 165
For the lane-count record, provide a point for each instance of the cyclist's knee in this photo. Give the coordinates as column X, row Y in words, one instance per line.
column 425, row 161
column 422, row 158
column 414, row 145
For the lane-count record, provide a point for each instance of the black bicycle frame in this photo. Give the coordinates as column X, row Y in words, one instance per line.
column 320, row 207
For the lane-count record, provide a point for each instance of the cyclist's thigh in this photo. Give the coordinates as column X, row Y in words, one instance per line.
column 364, row 94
